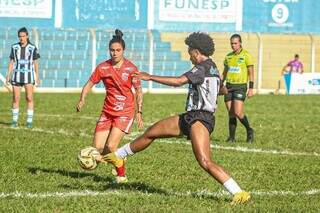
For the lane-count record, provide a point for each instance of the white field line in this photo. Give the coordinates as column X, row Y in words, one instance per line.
column 182, row 141
column 176, row 194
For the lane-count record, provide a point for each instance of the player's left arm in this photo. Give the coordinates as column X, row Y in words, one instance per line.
column 35, row 58
column 36, row 70
column 251, row 80
column 167, row 80
column 138, row 100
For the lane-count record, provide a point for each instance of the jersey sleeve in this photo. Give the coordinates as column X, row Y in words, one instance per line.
column 95, row 76
column 36, row 54
column 136, row 82
column 225, row 62
column 196, row 75
column 249, row 59
column 11, row 56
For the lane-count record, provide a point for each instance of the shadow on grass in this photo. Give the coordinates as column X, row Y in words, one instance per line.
column 108, row 182
column 6, row 123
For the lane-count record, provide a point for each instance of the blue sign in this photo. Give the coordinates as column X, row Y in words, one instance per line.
column 292, row 16
column 110, row 14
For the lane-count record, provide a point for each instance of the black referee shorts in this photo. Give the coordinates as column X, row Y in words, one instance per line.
column 188, row 118
column 236, row 92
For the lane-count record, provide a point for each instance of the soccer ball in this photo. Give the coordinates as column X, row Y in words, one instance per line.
column 87, row 158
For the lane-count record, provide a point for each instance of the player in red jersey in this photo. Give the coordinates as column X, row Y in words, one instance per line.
column 117, row 75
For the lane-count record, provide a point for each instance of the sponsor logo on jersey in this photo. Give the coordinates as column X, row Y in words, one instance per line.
column 130, row 69
column 195, row 69
column 234, row 70
column 118, row 106
column 240, row 60
column 125, row 76
column 120, row 97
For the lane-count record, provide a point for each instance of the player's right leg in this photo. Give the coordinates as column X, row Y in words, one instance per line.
column 15, row 105
column 166, row 128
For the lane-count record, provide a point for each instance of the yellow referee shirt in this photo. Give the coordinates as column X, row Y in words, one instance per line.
column 237, row 67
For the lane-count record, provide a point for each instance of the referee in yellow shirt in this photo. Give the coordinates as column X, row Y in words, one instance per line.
column 238, row 70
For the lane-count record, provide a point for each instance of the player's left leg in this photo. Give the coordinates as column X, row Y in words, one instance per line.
column 112, row 144
column 200, row 139
column 30, row 104
column 239, row 112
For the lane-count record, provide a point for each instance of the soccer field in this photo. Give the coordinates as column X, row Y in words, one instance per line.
column 39, row 171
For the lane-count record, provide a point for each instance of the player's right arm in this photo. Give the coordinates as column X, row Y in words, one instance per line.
column 167, row 80
column 10, row 69
column 85, row 90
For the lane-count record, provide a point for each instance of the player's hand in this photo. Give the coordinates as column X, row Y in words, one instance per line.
column 37, row 81
column 142, row 75
column 80, row 105
column 223, row 90
column 7, row 80
column 140, row 120
column 250, row 93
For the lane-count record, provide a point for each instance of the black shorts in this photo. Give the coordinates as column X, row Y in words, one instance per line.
column 13, row 83
column 236, row 92
column 188, row 118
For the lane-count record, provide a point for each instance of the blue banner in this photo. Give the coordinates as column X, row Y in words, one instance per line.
column 283, row 16
column 196, row 15
column 108, row 14
column 31, row 13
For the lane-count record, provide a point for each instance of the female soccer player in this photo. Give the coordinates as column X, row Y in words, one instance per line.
column 197, row 123
column 23, row 71
column 238, row 69
column 119, row 105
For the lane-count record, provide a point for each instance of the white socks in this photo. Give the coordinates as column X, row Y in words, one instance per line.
column 232, row 186
column 15, row 114
column 29, row 115
column 124, row 151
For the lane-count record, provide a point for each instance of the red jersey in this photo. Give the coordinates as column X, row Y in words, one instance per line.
column 119, row 100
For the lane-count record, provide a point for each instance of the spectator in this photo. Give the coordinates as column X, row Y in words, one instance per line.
column 294, row 66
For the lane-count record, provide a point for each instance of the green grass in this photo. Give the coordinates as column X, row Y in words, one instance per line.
column 164, row 177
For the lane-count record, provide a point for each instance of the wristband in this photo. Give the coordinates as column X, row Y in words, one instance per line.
column 251, row 84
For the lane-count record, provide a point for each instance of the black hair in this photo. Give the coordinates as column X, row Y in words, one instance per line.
column 23, row 30
column 117, row 38
column 202, row 42
column 236, row 36
column 296, row 55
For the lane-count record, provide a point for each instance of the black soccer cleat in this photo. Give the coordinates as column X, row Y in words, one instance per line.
column 231, row 140
column 250, row 135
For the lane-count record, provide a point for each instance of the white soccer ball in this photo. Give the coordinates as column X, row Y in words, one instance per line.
column 87, row 158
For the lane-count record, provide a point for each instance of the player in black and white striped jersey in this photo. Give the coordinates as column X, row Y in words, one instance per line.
column 23, row 71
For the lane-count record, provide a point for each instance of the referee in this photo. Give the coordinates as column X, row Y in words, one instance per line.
column 23, row 71
column 238, row 70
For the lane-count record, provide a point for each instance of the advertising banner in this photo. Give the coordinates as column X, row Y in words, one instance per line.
column 198, row 15
column 289, row 16
column 306, row 83
column 198, row 11
column 26, row 9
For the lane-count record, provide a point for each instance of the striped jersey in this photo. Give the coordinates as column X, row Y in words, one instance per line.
column 204, row 85
column 23, row 57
